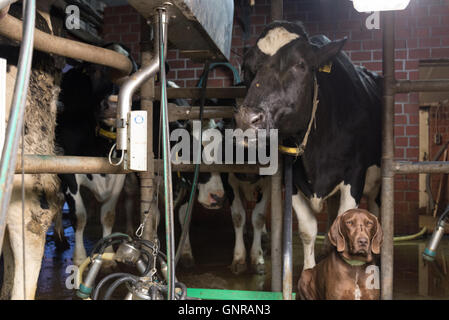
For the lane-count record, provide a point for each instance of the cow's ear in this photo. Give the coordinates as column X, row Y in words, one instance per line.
column 328, row 52
column 335, row 235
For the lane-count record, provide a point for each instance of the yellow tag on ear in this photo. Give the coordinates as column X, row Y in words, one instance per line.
column 327, row 68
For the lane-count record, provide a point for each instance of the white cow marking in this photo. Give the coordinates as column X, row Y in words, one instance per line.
column 275, row 39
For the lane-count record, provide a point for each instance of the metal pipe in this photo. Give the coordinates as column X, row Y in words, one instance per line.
column 403, row 167
column 387, row 194
column 276, row 229
column 11, row 28
column 17, row 114
column 168, row 187
column 147, row 183
column 277, row 10
column 287, row 274
column 405, row 86
column 129, row 88
column 35, row 164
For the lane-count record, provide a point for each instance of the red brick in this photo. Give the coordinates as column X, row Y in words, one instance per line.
column 186, row 74
column 428, row 21
column 360, row 55
column 438, row 53
column 130, row 37
column 412, row 131
column 411, row 196
column 399, row 131
column 129, row 18
column 401, row 142
column 352, row 45
column 422, row 32
column 440, row 31
column 419, row 54
column 429, row 42
column 439, row 10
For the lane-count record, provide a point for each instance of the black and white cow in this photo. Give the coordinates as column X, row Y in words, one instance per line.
column 342, row 152
column 237, row 188
column 42, row 197
column 86, row 124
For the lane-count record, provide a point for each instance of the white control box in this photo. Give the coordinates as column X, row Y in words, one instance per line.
column 136, row 158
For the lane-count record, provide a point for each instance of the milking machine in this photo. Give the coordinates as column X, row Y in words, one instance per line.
column 150, row 282
column 430, row 251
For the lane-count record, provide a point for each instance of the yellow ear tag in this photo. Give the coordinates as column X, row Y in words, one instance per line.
column 327, row 68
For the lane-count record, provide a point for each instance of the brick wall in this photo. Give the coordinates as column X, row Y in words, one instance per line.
column 422, row 32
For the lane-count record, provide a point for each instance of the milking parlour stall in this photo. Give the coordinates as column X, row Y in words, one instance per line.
column 224, row 154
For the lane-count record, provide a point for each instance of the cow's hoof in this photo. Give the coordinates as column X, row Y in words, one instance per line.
column 259, row 268
column 238, row 267
column 187, row 262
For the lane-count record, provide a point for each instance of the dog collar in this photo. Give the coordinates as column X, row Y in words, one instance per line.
column 355, row 263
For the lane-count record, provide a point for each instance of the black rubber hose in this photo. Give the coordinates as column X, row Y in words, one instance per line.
column 116, row 284
column 104, row 240
column 149, row 262
column 188, row 216
column 97, row 288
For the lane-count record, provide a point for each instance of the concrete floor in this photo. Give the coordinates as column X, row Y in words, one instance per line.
column 212, row 243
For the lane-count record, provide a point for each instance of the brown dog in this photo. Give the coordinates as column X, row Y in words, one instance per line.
column 348, row 272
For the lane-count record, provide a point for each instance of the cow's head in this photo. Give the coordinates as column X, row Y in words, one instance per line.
column 211, row 192
column 280, row 89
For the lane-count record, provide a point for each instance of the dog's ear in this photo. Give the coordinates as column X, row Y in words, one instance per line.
column 335, row 236
column 377, row 238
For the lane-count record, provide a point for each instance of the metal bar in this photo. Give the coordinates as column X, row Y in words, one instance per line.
column 168, row 186
column 128, row 89
column 195, row 93
column 387, row 194
column 11, row 28
column 276, row 229
column 402, row 167
column 176, row 112
column 147, row 184
column 287, row 274
column 34, row 164
column 277, row 10
column 17, row 114
column 405, row 86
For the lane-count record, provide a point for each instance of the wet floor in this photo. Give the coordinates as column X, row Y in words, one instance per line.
column 212, row 246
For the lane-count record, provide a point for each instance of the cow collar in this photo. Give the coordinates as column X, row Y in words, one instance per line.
column 105, row 133
column 299, row 151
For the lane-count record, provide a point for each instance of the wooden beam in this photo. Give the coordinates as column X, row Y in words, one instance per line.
column 176, row 112
column 423, row 156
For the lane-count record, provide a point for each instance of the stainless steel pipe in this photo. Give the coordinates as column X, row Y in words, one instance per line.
column 130, row 86
column 11, row 28
column 34, row 164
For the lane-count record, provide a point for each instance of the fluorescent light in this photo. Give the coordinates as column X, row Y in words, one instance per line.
column 380, row 5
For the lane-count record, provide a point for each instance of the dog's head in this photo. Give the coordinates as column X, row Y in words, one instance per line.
column 356, row 234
